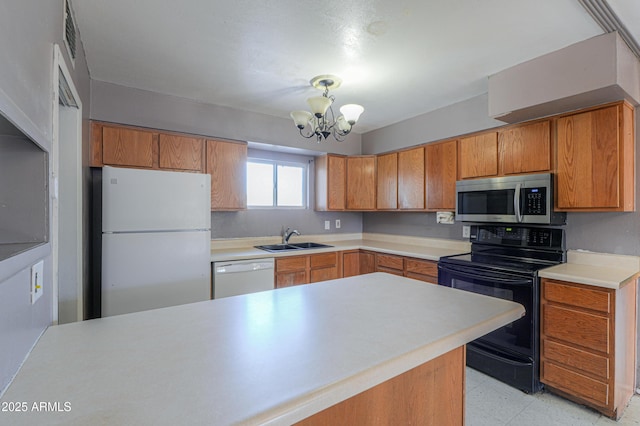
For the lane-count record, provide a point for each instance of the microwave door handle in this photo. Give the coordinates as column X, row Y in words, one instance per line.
column 516, row 203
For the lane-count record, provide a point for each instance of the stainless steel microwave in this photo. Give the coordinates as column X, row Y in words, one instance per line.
column 511, row 199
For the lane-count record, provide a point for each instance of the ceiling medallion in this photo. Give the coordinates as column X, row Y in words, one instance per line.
column 321, row 122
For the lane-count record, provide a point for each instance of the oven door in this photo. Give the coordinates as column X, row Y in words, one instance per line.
column 510, row 353
column 518, row 338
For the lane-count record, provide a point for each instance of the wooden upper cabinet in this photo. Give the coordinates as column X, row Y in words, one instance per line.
column 361, row 182
column 441, row 163
column 127, row 147
column 525, row 148
column 478, row 156
column 596, row 160
column 227, row 165
column 387, row 198
column 181, row 152
column 330, row 182
column 411, row 179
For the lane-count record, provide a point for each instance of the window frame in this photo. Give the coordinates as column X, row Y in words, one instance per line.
column 305, row 183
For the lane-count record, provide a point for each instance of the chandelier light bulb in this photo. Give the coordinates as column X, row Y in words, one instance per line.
column 301, row 118
column 319, row 105
column 351, row 112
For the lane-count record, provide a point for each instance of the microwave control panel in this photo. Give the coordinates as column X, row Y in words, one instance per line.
column 535, row 201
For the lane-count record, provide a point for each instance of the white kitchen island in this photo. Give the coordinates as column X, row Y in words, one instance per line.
column 275, row 357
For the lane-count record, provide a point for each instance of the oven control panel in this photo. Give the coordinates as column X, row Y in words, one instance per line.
column 517, row 236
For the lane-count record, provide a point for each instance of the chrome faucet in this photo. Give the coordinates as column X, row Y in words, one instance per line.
column 287, row 234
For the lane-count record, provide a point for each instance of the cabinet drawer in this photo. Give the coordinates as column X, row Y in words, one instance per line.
column 324, row 260
column 587, row 298
column 323, row 274
column 423, row 267
column 575, row 383
column 588, row 362
column 389, row 261
column 581, row 328
column 294, row 263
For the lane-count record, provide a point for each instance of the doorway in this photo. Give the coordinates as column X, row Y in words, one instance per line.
column 66, row 178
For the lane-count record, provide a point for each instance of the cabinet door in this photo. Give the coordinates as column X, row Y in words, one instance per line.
column 441, row 174
column 288, row 279
column 594, row 160
column 361, row 183
column 127, row 147
column 227, row 164
column 180, row 152
column 387, row 198
column 367, row 262
column 350, row 263
column 478, row 156
column 411, row 179
column 331, row 175
column 525, row 149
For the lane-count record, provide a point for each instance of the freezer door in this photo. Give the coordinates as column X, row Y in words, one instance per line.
column 152, row 200
column 142, row 271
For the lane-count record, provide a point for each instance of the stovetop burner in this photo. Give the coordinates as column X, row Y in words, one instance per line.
column 514, row 249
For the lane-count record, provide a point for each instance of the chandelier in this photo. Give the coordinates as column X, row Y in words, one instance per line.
column 321, row 121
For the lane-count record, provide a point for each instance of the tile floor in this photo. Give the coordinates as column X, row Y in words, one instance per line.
column 492, row 403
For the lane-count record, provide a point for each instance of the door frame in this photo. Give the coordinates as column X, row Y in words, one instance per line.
column 60, row 69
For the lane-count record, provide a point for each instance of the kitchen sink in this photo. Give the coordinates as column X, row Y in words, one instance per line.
column 309, row 245
column 276, row 248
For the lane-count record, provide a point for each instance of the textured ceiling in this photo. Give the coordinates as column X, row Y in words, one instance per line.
column 397, row 58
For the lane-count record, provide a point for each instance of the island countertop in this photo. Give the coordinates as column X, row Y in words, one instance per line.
column 273, row 357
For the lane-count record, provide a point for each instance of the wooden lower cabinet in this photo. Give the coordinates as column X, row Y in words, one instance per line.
column 292, row 270
column 587, row 349
column 429, row 394
column 390, row 263
column 410, row 267
column 323, row 267
column 296, row 270
column 357, row 262
column 421, row 269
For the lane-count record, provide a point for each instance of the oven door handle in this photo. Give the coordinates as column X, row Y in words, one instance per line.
column 492, row 277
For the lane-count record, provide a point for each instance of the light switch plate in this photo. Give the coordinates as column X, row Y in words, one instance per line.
column 327, row 224
column 338, row 224
column 466, row 231
column 37, row 272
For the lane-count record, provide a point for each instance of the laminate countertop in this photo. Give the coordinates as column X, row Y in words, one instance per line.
column 273, row 357
column 597, row 269
column 423, row 248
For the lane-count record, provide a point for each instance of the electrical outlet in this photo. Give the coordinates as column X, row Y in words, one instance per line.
column 338, row 224
column 37, row 271
column 466, row 231
column 327, row 224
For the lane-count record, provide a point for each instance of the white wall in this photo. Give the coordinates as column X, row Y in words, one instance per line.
column 28, row 30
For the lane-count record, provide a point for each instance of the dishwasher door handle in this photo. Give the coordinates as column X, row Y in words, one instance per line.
column 234, row 268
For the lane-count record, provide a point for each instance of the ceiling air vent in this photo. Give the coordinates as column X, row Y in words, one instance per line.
column 70, row 32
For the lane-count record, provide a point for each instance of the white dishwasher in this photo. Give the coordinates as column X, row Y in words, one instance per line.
column 242, row 277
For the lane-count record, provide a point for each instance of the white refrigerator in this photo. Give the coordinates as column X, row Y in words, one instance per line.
column 156, row 239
